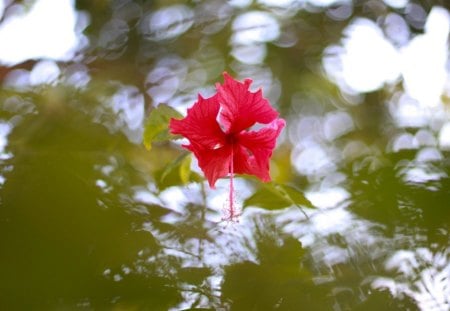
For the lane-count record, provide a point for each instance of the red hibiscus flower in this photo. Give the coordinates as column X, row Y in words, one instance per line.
column 219, row 136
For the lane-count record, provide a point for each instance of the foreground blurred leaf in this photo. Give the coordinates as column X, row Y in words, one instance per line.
column 157, row 125
column 277, row 280
column 273, row 196
column 194, row 275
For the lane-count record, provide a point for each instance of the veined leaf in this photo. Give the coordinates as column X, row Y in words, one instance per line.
column 157, row 126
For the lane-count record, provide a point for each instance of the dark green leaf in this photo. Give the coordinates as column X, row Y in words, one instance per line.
column 194, row 275
column 157, row 125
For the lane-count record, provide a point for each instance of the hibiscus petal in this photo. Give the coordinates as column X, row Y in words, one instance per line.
column 256, row 149
column 244, row 163
column 241, row 108
column 215, row 163
column 200, row 125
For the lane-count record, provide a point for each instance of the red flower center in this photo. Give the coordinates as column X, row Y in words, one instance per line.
column 232, row 138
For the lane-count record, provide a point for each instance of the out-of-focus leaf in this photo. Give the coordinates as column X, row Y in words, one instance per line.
column 266, row 199
column 194, row 275
column 198, row 309
column 157, row 126
column 276, row 196
column 176, row 173
column 157, row 211
column 173, row 166
column 185, row 169
column 294, row 195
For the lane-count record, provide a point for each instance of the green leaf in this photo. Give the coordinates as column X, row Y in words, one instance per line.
column 185, row 169
column 294, row 195
column 194, row 275
column 157, row 126
column 177, row 165
column 274, row 196
column 177, row 172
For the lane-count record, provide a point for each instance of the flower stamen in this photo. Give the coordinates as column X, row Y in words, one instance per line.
column 231, row 210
